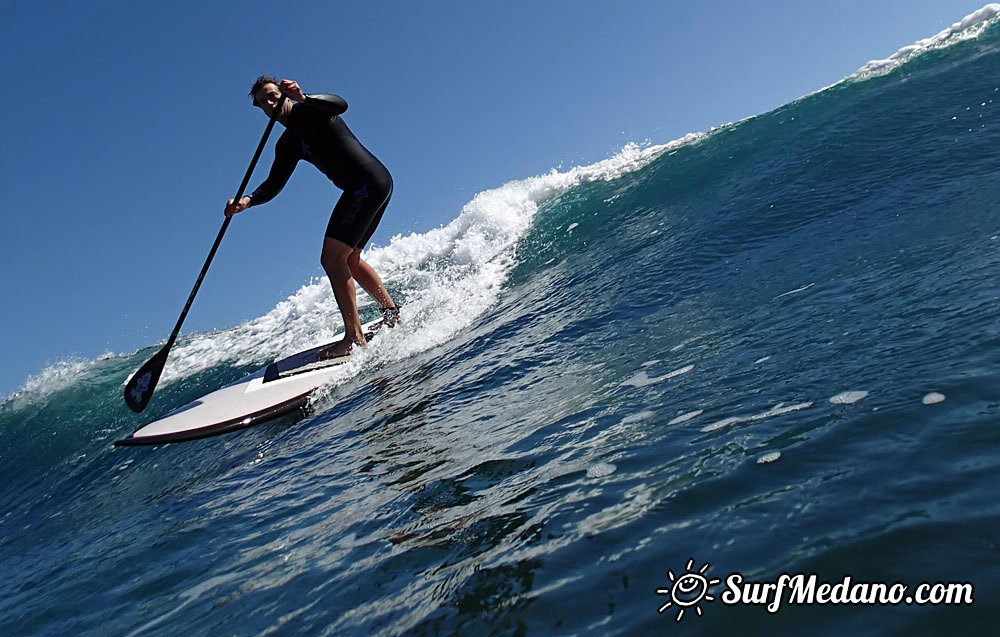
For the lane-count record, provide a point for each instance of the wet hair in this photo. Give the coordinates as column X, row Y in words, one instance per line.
column 261, row 81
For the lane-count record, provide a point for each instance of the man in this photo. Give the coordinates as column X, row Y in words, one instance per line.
column 316, row 133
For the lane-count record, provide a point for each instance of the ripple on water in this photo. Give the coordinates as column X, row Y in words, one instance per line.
column 639, row 417
column 642, row 379
column 686, row 417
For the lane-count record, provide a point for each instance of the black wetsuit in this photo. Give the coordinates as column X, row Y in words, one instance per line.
column 316, row 133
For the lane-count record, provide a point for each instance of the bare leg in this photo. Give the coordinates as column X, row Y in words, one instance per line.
column 369, row 279
column 372, row 284
column 335, row 260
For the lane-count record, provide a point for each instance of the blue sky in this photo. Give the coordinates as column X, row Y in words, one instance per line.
column 127, row 126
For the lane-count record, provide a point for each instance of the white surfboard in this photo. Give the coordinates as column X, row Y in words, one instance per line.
column 278, row 389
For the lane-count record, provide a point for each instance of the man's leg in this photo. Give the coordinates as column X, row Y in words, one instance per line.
column 370, row 280
column 352, row 223
column 335, row 259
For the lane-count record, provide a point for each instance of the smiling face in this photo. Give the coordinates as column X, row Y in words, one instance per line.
column 689, row 589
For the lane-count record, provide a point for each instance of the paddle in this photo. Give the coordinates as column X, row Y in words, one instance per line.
column 139, row 388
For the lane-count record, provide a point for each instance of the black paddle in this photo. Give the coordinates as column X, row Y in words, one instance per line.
column 139, row 388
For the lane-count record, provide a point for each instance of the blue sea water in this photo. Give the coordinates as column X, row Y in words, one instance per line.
column 770, row 348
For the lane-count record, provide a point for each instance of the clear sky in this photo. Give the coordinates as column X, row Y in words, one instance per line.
column 126, row 126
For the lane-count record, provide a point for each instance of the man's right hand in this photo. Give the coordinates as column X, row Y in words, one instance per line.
column 233, row 207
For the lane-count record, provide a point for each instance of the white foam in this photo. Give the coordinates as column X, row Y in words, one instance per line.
column 639, row 417
column 769, row 457
column 601, row 470
column 686, row 417
column 678, row 372
column 848, row 397
column 721, row 424
column 933, row 398
column 795, row 291
column 53, row 378
column 683, row 344
column 778, row 410
column 969, row 27
column 642, row 379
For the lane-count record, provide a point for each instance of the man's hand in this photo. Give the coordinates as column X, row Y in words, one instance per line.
column 292, row 90
column 233, row 207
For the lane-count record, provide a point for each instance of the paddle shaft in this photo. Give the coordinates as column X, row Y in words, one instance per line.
column 139, row 388
column 225, row 224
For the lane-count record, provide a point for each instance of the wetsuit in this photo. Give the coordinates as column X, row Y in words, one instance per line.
column 316, row 133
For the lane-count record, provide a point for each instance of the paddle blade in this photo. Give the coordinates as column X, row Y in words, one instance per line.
column 139, row 388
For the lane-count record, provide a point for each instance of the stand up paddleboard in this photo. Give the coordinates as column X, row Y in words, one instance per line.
column 280, row 388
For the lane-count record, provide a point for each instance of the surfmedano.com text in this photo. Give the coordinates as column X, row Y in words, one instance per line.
column 802, row 589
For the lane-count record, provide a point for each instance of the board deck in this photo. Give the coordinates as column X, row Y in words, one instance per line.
column 278, row 389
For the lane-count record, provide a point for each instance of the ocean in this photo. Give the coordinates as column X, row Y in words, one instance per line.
column 764, row 353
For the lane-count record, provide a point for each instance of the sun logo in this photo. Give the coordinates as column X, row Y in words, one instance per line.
column 688, row 589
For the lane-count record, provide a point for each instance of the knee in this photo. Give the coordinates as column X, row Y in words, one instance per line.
column 353, row 260
column 334, row 264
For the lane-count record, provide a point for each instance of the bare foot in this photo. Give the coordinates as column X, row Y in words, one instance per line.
column 339, row 349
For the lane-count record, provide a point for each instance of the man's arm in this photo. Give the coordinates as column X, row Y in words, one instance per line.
column 281, row 171
column 329, row 104
column 325, row 103
column 285, row 160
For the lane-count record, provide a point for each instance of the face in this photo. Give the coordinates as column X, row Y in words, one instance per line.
column 267, row 97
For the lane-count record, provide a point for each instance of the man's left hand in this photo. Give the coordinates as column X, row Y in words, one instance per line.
column 292, row 90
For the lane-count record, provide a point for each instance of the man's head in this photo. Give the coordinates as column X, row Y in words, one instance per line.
column 265, row 93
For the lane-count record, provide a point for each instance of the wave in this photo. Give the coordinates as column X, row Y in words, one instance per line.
column 969, row 27
column 446, row 277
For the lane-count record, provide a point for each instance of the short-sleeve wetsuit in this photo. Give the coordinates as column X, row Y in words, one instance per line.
column 316, row 133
